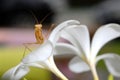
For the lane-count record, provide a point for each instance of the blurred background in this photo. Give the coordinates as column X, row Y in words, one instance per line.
column 17, row 20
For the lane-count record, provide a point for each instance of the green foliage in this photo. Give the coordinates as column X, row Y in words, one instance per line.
column 11, row 56
column 111, row 47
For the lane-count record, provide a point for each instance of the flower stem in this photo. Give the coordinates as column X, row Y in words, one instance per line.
column 93, row 70
column 52, row 67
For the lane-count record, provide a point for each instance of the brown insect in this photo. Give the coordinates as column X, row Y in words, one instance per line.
column 38, row 33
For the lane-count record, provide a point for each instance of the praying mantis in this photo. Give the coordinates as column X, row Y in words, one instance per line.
column 38, row 32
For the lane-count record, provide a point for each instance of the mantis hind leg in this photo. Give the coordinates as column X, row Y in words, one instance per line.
column 26, row 47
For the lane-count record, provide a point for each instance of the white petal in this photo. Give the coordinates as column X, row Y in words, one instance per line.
column 55, row 33
column 49, row 64
column 78, row 66
column 112, row 62
column 8, row 74
column 67, row 36
column 40, row 54
column 64, row 34
column 16, row 73
column 78, row 35
column 63, row 48
column 102, row 36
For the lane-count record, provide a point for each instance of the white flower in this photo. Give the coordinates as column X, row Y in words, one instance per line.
column 42, row 57
column 86, row 52
column 16, row 73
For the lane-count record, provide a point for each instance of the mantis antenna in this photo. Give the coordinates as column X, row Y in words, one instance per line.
column 34, row 17
column 45, row 17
